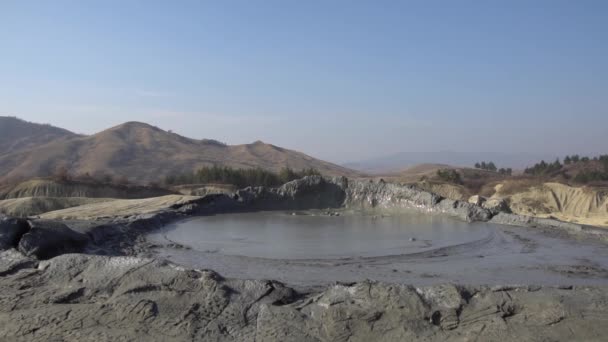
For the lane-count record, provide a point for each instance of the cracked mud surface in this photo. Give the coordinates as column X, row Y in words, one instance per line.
column 76, row 297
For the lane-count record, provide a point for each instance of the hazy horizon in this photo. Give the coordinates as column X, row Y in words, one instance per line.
column 340, row 81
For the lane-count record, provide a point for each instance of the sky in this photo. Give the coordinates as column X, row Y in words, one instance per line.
column 339, row 80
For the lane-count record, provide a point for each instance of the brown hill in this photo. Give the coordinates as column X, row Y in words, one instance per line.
column 425, row 176
column 142, row 153
column 18, row 135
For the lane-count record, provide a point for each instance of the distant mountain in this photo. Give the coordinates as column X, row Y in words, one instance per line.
column 142, row 153
column 400, row 161
column 18, row 135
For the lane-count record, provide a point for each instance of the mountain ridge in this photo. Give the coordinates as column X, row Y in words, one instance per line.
column 13, row 137
column 142, row 153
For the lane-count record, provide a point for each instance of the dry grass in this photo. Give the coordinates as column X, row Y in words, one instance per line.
column 512, row 185
column 43, row 187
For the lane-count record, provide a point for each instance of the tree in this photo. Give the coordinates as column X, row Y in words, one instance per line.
column 556, row 165
column 491, row 166
column 544, row 168
column 567, row 160
column 488, row 166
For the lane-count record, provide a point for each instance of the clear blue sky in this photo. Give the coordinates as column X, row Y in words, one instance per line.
column 341, row 80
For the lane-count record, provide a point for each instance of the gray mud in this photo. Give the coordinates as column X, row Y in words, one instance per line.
column 76, row 297
column 311, row 250
column 318, row 235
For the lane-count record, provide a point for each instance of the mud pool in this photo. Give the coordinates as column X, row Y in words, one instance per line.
column 310, row 248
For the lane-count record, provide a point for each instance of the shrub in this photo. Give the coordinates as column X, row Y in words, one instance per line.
column 449, row 175
column 489, row 166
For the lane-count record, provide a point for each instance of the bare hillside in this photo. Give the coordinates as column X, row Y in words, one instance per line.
column 18, row 135
column 142, row 153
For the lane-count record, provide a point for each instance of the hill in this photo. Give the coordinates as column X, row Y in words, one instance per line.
column 399, row 161
column 546, row 189
column 141, row 153
column 18, row 135
column 469, row 181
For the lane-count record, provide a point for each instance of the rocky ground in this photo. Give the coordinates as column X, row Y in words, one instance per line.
column 47, row 293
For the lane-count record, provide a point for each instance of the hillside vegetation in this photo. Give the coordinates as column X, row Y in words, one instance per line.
column 239, row 178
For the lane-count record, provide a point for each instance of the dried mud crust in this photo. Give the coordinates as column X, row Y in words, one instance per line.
column 76, row 297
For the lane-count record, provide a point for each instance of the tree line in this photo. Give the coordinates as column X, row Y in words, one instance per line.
column 587, row 176
column 575, row 158
column 543, row 168
column 239, row 177
column 490, row 166
column 62, row 174
column 583, row 176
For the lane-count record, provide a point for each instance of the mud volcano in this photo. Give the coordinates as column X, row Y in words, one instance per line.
column 413, row 261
